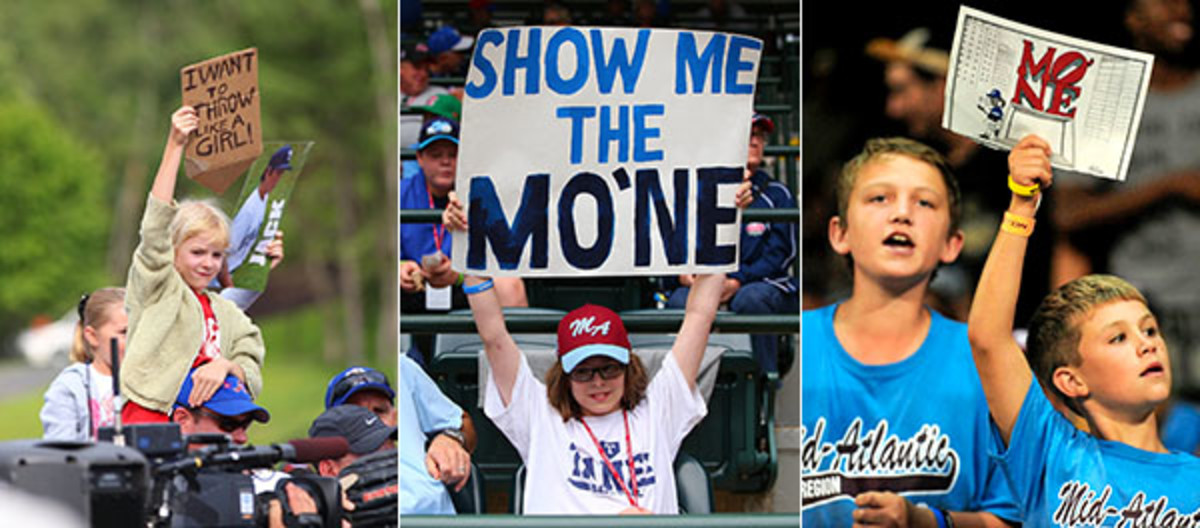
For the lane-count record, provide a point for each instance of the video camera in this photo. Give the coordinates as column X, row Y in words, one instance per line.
column 152, row 475
column 156, row 481
column 222, row 484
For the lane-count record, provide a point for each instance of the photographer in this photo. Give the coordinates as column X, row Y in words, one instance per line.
column 361, row 428
column 230, row 411
column 368, row 471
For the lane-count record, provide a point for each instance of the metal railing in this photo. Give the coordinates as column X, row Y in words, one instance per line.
column 666, row 322
column 431, row 216
column 769, row 150
column 711, row 520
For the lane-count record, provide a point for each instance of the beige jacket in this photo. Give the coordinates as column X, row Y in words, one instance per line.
column 166, row 322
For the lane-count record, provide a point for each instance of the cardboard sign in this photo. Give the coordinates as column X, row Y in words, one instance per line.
column 604, row 151
column 224, row 91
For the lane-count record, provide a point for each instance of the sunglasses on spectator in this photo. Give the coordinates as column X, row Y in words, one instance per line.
column 362, row 377
column 228, row 424
column 607, row 372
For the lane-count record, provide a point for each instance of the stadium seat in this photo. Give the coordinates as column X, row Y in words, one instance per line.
column 735, row 442
column 454, row 365
column 516, row 501
column 693, row 486
column 472, row 499
column 617, row 293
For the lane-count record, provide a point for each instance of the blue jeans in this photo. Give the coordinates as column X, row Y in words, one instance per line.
column 754, row 298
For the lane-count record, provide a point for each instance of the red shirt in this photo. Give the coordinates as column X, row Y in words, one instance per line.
column 210, row 347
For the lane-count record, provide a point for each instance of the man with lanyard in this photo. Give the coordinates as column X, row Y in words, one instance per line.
column 427, row 283
column 437, row 155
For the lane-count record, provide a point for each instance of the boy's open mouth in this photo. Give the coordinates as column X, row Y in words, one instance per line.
column 898, row 240
column 1154, row 368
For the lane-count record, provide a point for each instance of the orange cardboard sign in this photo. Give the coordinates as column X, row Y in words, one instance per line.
column 224, row 91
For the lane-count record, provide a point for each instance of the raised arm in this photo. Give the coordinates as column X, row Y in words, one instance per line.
column 701, row 310
column 183, row 122
column 1002, row 367
column 504, row 358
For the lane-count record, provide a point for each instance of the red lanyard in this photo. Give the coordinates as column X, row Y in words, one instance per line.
column 437, row 235
column 629, row 454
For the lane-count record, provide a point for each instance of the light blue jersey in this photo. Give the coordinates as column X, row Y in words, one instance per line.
column 423, row 410
column 918, row 427
column 1065, row 477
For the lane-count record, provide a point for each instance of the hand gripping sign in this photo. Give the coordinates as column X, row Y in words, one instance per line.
column 224, row 91
column 604, row 151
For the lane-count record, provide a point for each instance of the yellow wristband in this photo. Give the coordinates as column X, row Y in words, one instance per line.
column 1023, row 190
column 1017, row 224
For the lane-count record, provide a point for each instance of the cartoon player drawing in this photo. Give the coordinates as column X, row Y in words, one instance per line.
column 992, row 106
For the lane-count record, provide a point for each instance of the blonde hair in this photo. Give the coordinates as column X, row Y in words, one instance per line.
column 1054, row 328
column 879, row 147
column 196, row 217
column 93, row 312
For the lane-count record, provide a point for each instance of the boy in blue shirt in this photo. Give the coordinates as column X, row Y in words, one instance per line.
column 895, row 427
column 1095, row 346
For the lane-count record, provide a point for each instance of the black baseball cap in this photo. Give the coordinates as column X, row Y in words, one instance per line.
column 361, row 428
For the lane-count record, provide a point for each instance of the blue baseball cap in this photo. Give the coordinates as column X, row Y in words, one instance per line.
column 231, row 399
column 446, row 38
column 437, row 129
column 352, row 380
column 281, row 159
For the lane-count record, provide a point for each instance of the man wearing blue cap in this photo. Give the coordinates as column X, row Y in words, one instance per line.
column 427, row 283
column 447, row 47
column 230, row 411
column 364, row 387
column 243, row 232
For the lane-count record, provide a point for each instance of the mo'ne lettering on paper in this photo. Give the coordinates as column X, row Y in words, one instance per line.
column 1008, row 80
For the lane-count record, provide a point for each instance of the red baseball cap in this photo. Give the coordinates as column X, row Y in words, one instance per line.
column 591, row 330
column 763, row 121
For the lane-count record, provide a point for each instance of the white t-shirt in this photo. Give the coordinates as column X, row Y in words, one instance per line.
column 564, row 472
column 100, row 401
column 245, row 228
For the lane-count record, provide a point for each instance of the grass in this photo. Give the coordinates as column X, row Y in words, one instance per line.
column 294, row 379
column 20, row 416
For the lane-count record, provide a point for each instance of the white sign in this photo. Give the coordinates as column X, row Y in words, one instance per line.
column 1007, row 80
column 604, row 151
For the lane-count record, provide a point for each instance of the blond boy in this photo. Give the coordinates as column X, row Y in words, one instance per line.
column 895, row 428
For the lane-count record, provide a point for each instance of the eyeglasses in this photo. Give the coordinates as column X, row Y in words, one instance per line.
column 354, row 379
column 227, row 424
column 607, row 372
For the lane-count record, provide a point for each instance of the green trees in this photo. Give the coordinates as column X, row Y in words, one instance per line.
column 93, row 83
column 53, row 214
